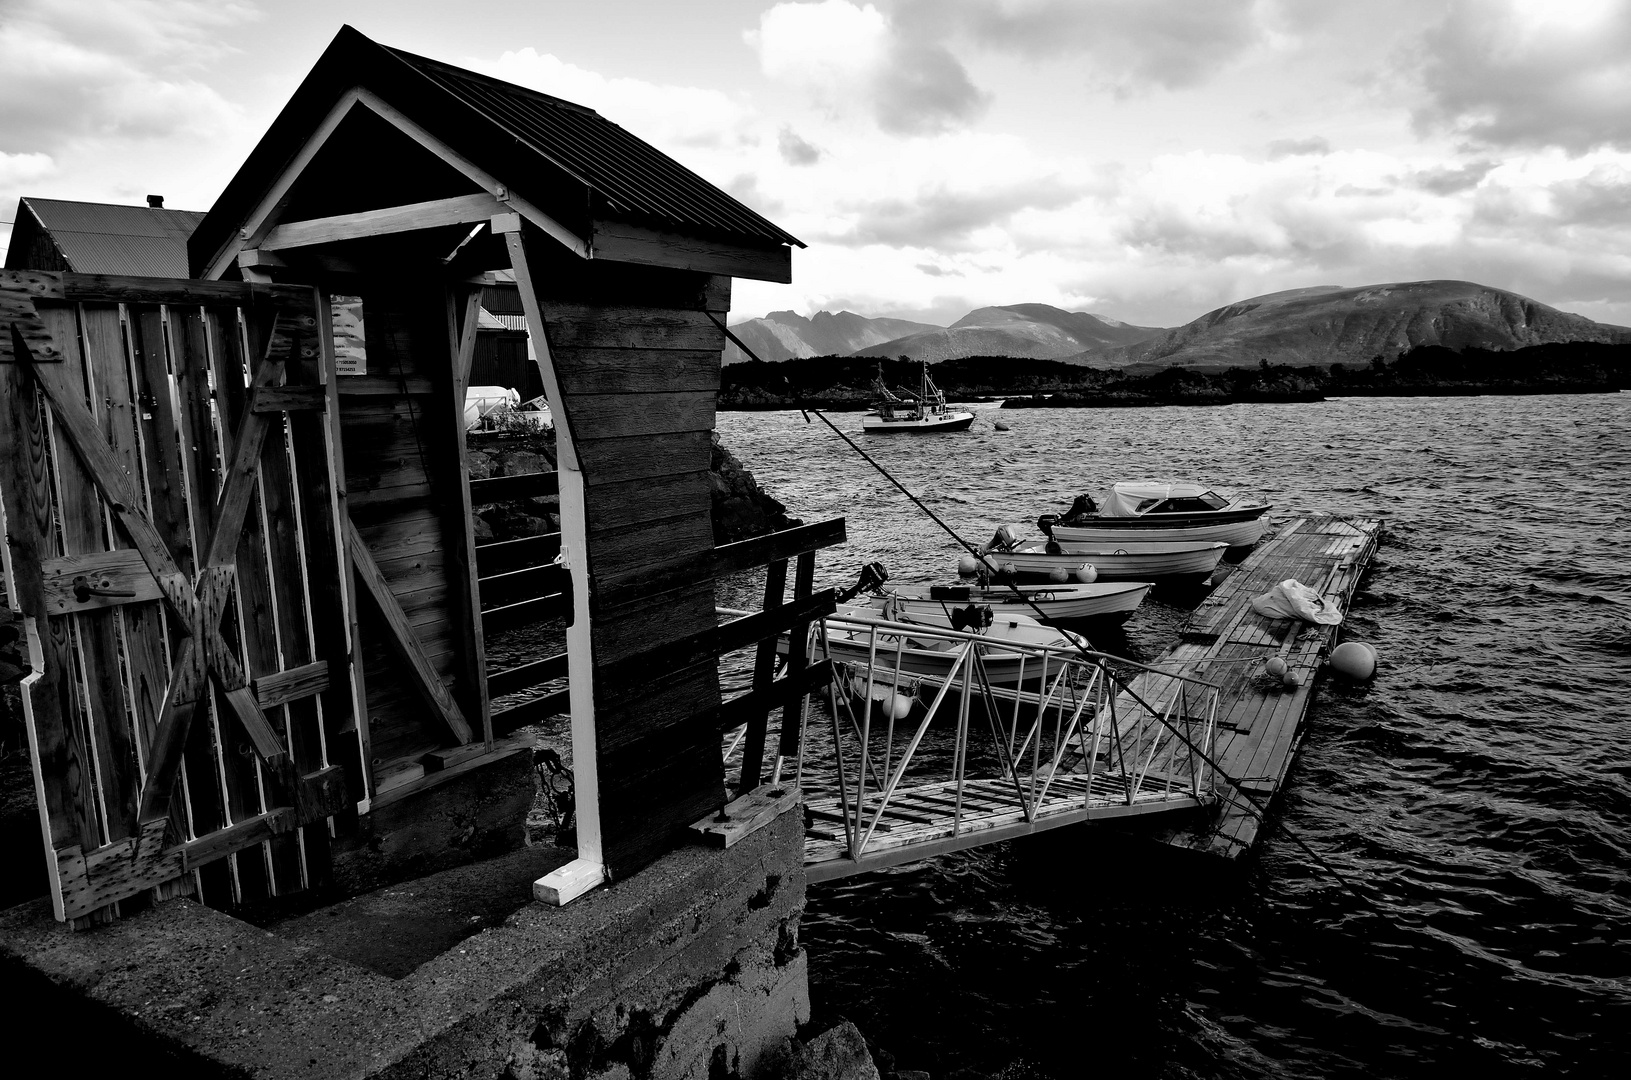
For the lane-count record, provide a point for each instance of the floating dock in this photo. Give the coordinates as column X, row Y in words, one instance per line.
column 1196, row 744
column 1260, row 723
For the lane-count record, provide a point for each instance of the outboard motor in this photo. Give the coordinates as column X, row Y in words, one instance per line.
column 1045, row 523
column 1084, row 507
column 872, row 575
column 973, row 618
column 1002, row 540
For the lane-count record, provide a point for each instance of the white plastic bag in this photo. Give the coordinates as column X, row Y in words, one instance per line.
column 1291, row 599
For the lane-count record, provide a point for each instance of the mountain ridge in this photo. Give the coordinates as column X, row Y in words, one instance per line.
column 1313, row 326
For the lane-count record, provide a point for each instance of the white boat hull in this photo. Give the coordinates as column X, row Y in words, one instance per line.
column 1100, row 600
column 1232, row 533
column 889, row 648
column 1118, row 562
column 873, row 424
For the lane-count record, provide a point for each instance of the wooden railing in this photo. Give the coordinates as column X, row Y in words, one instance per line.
column 502, row 568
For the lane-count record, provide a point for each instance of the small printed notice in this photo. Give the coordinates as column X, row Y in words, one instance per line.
column 350, row 350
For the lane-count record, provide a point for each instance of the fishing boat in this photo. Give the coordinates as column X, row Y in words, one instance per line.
column 1108, row 601
column 1146, row 561
column 1147, row 511
column 903, row 412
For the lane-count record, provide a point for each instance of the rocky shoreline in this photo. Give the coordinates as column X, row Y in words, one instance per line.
column 741, row 508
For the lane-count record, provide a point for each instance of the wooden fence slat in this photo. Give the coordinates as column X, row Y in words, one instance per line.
column 84, row 531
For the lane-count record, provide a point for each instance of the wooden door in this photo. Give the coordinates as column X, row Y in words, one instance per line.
column 166, row 467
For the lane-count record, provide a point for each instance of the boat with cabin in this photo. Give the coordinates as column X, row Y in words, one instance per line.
column 1151, row 511
column 903, row 412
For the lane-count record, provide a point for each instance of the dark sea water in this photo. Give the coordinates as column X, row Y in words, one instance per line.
column 1478, row 791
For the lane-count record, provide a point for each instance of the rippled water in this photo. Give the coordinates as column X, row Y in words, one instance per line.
column 1478, row 791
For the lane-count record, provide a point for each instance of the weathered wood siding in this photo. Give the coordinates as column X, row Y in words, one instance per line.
column 637, row 358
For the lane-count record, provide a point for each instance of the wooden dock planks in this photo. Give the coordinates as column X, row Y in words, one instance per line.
column 1260, row 720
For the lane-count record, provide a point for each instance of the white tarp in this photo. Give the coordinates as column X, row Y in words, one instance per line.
column 1124, row 498
column 481, row 400
column 1291, row 599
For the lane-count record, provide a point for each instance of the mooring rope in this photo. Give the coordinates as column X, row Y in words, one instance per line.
column 1260, row 809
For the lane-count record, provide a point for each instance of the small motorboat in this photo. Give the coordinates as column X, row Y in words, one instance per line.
column 1148, row 511
column 923, row 412
column 1108, row 601
column 1012, row 648
column 1145, row 561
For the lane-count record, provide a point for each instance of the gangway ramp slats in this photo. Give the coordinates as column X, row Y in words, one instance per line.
column 990, row 813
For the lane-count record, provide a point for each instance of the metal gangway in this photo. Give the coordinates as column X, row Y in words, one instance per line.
column 938, row 738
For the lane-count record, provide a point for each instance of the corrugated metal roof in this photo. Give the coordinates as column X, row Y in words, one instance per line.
column 631, row 175
column 103, row 238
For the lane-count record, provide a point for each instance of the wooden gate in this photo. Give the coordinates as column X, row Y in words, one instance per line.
column 170, row 514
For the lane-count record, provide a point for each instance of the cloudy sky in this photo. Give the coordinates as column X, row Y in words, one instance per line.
column 1147, row 160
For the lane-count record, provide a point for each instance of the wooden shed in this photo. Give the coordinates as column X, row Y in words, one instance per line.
column 249, row 560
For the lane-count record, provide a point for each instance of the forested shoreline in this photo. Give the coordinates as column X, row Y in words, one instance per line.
column 844, row 382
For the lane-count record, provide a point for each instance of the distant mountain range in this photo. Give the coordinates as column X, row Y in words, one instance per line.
column 1328, row 324
column 1316, row 326
column 784, row 335
column 1034, row 330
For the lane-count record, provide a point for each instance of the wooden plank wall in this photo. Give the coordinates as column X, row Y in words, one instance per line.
column 638, row 363
column 404, row 492
column 159, row 371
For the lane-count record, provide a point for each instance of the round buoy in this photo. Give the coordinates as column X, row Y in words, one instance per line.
column 1059, row 575
column 899, row 706
column 1008, row 568
column 1087, row 573
column 1276, row 666
column 968, row 566
column 1291, row 680
column 1354, row 660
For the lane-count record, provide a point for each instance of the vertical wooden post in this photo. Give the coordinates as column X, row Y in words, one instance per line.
column 589, row 868
column 798, row 658
column 332, row 461
column 764, row 672
column 465, row 595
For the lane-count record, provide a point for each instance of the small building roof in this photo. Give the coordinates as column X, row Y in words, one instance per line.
column 565, row 157
column 104, row 238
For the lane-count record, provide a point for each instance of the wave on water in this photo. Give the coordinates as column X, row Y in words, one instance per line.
column 1477, row 792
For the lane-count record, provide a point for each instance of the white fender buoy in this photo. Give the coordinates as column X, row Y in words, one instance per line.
column 1276, row 666
column 1059, row 575
column 899, row 706
column 1291, row 680
column 968, row 566
column 1354, row 660
column 1087, row 573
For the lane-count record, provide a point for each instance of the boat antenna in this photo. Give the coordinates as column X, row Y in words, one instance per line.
column 1251, row 800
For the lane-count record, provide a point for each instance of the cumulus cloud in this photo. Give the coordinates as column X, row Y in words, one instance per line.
column 849, row 56
column 946, row 218
column 1314, row 144
column 673, row 118
column 111, row 69
column 1448, row 180
column 1128, row 44
column 794, row 150
column 1527, row 73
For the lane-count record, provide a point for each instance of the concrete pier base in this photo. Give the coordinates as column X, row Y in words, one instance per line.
column 691, row 968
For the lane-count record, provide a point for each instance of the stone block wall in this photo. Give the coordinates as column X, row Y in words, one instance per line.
column 689, row 969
